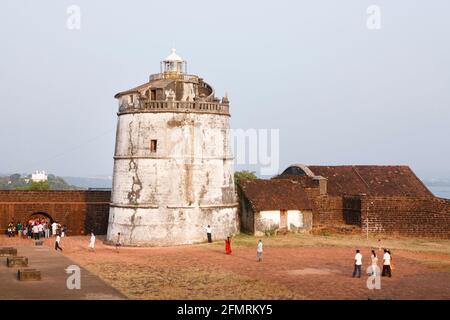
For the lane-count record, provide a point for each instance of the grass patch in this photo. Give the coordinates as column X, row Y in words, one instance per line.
column 294, row 240
column 138, row 281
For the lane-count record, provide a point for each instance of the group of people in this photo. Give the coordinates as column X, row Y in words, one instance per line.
column 259, row 247
column 387, row 264
column 35, row 229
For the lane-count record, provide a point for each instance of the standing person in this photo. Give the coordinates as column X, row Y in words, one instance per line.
column 63, row 231
column 386, row 264
column 228, row 246
column 47, row 229
column 35, row 232
column 19, row 229
column 25, row 230
column 118, row 241
column 58, row 243
column 208, row 233
column 41, row 230
column 10, row 230
column 358, row 263
column 30, row 230
column 92, row 241
column 374, row 263
column 259, row 250
column 54, row 227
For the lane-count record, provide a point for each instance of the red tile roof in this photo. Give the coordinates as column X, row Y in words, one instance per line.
column 275, row 194
column 372, row 180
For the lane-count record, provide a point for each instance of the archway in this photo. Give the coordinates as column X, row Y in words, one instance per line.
column 42, row 216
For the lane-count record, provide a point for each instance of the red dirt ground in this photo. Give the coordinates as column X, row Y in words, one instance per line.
column 205, row 272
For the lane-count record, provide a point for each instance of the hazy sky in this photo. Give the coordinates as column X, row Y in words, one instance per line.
column 339, row 92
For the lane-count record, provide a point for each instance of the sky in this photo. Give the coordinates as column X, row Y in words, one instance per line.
column 338, row 91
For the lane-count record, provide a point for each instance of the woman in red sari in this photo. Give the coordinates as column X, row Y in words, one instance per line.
column 228, row 246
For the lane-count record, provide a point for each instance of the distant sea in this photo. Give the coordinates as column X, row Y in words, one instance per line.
column 440, row 191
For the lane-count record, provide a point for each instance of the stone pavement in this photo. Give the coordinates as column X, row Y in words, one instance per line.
column 52, row 265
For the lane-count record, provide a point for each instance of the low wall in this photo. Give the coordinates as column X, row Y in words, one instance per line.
column 82, row 211
column 422, row 217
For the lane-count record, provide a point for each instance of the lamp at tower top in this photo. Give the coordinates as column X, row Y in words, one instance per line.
column 173, row 63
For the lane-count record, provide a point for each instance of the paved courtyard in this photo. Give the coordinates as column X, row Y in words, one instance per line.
column 53, row 284
column 292, row 269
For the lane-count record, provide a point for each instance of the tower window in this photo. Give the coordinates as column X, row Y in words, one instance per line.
column 153, row 145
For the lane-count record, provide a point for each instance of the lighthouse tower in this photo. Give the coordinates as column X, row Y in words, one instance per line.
column 173, row 167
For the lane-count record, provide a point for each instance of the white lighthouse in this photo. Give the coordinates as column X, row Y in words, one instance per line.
column 173, row 167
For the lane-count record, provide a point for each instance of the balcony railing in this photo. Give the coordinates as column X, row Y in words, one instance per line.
column 173, row 75
column 175, row 106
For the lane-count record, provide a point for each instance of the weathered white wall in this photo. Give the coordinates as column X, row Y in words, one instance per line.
column 167, row 197
column 294, row 219
column 266, row 220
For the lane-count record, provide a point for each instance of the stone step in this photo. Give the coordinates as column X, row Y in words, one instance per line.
column 29, row 275
column 8, row 252
column 17, row 262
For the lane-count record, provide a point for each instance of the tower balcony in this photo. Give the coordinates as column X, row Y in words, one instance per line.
column 176, row 106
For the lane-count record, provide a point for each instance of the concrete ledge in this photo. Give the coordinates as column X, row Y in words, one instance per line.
column 17, row 262
column 29, row 275
column 8, row 252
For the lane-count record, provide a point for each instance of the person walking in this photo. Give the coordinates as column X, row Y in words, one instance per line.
column 208, row 233
column 118, row 241
column 358, row 263
column 259, row 250
column 228, row 246
column 92, row 241
column 392, row 261
column 386, row 264
column 58, row 243
column 374, row 261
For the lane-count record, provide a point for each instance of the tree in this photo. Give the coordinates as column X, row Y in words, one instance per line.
column 14, row 177
column 36, row 186
column 243, row 175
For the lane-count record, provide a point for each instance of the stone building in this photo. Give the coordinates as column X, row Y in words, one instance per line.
column 268, row 205
column 373, row 199
column 173, row 167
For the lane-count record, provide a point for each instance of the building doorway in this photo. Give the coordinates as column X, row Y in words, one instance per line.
column 283, row 219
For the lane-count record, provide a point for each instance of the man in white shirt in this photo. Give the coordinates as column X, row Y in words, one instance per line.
column 208, row 233
column 386, row 264
column 35, row 232
column 41, row 230
column 54, row 227
column 358, row 263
